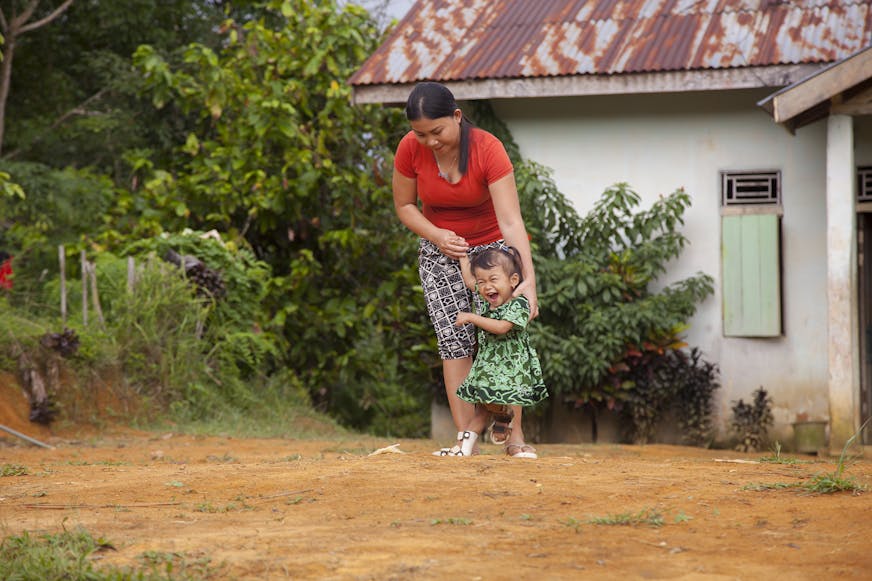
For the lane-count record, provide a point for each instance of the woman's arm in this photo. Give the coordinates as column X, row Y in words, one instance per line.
column 492, row 326
column 406, row 206
column 504, row 194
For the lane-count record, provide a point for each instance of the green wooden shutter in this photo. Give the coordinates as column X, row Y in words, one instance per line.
column 751, row 275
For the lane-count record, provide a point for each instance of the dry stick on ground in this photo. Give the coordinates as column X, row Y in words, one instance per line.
column 25, row 437
column 95, row 506
column 281, row 495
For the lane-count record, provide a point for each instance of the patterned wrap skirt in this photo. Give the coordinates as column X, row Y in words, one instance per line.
column 446, row 295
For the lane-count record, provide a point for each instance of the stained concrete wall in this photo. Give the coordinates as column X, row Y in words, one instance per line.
column 658, row 143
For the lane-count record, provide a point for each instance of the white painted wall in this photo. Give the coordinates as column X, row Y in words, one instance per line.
column 658, row 143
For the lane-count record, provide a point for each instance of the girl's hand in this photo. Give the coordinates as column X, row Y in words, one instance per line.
column 528, row 289
column 463, row 318
column 450, row 244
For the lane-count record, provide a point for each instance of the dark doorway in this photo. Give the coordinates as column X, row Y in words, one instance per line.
column 864, row 260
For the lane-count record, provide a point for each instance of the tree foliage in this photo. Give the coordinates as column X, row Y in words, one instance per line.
column 600, row 306
column 282, row 161
column 74, row 95
column 18, row 17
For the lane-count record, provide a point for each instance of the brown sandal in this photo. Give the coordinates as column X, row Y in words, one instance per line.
column 501, row 429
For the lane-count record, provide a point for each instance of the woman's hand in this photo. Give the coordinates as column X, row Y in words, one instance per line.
column 450, row 244
column 528, row 289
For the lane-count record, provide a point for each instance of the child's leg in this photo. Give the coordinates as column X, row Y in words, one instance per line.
column 479, row 420
column 516, row 447
column 517, row 430
column 475, row 426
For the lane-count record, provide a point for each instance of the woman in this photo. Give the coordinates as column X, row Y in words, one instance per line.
column 469, row 201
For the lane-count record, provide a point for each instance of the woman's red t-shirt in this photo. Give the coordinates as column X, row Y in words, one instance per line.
column 465, row 207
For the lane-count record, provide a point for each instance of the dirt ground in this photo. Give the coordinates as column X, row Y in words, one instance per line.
column 300, row 509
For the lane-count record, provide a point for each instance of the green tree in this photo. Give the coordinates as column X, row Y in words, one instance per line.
column 74, row 99
column 282, row 161
column 18, row 17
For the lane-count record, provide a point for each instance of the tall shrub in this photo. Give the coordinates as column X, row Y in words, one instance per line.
column 599, row 311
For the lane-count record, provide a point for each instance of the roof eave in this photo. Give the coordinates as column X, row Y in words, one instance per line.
column 815, row 96
column 581, row 85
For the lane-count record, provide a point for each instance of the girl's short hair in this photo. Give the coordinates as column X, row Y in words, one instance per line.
column 504, row 256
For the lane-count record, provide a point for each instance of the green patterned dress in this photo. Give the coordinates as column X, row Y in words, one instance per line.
column 506, row 369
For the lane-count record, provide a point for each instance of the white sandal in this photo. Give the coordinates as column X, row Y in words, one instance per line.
column 523, row 451
column 468, row 445
column 466, row 448
column 452, row 451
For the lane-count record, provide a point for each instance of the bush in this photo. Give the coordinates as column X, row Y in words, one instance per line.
column 751, row 421
column 661, row 379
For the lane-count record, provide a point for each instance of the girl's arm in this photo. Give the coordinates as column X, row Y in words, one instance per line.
column 492, row 326
column 504, row 194
column 406, row 206
column 466, row 270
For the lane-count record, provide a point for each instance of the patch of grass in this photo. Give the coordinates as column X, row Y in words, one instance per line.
column 13, row 470
column 70, row 554
column 271, row 420
column 451, row 521
column 225, row 459
column 761, row 486
column 837, row 482
column 178, row 565
column 60, row 556
column 681, row 517
column 823, row 483
column 831, row 483
column 229, row 507
column 777, row 458
column 97, row 463
column 646, row 516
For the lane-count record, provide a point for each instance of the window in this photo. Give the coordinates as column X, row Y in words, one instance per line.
column 751, row 253
column 751, row 188
column 864, row 184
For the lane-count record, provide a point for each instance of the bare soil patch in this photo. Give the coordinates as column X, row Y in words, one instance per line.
column 300, row 509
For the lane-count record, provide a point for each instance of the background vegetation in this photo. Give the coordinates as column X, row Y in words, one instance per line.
column 225, row 132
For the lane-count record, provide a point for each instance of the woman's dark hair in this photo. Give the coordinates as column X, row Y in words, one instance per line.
column 429, row 100
column 504, row 256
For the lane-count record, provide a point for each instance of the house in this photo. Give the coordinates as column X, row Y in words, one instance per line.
column 760, row 109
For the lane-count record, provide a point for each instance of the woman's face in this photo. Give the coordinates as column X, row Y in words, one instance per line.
column 442, row 135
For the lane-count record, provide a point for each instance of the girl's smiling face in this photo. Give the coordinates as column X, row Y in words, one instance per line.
column 496, row 285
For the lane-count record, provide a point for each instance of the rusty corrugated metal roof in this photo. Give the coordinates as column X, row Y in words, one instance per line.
column 461, row 40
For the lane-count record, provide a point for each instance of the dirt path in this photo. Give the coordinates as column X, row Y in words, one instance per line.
column 276, row 509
